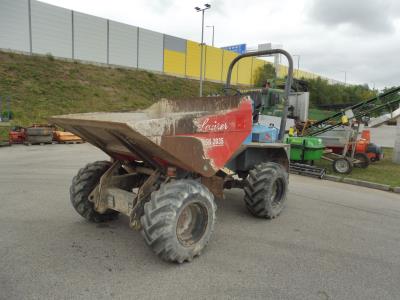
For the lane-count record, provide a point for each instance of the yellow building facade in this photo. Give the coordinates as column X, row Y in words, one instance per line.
column 216, row 61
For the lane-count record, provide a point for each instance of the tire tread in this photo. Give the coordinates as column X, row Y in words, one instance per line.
column 257, row 187
column 161, row 213
column 82, row 185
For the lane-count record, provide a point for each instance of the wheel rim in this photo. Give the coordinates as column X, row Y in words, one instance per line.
column 277, row 191
column 342, row 166
column 192, row 224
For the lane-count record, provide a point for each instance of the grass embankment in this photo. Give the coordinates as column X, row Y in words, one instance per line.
column 384, row 171
column 42, row 86
column 317, row 114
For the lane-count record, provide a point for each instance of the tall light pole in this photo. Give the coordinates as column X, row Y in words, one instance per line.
column 213, row 27
column 198, row 9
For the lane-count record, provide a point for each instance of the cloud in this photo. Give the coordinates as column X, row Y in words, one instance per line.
column 368, row 15
column 159, row 6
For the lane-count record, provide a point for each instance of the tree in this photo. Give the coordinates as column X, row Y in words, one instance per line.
column 321, row 91
column 264, row 73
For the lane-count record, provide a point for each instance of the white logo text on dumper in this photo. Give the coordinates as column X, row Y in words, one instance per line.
column 212, row 126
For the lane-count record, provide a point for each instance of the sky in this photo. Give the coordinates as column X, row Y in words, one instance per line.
column 359, row 37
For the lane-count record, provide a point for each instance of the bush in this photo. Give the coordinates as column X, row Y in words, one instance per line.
column 5, row 116
column 321, row 92
column 50, row 57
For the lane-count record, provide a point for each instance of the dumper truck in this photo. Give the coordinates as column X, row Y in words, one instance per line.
column 170, row 161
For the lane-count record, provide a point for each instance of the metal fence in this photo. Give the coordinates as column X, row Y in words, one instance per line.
column 38, row 28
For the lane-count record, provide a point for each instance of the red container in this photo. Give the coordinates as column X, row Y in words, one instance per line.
column 366, row 134
column 362, row 145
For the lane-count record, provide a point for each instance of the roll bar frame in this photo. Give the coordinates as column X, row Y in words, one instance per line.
column 288, row 82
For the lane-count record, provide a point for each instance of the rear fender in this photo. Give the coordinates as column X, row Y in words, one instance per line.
column 252, row 156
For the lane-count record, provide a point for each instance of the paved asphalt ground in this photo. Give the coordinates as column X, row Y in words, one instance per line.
column 333, row 241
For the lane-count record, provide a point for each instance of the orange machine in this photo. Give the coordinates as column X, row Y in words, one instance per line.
column 364, row 148
column 364, row 145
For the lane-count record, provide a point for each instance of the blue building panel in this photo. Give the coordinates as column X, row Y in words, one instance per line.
column 240, row 48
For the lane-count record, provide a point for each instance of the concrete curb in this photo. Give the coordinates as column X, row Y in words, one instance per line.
column 363, row 183
column 372, row 185
column 333, row 178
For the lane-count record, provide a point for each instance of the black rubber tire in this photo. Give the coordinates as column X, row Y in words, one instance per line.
column 341, row 169
column 38, row 131
column 163, row 211
column 259, row 190
column 363, row 158
column 82, row 185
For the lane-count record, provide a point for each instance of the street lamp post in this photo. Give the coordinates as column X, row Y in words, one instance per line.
column 198, row 9
column 213, row 30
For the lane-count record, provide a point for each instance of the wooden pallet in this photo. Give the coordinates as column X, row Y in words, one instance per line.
column 38, row 144
column 71, row 142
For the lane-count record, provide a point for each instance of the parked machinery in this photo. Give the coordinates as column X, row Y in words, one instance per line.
column 16, row 135
column 341, row 131
column 168, row 162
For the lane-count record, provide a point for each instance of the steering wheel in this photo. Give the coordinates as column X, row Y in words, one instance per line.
column 226, row 89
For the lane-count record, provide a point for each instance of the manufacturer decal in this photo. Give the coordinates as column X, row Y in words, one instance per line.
column 212, row 126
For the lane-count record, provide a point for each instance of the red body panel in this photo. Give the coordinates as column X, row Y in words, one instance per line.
column 222, row 135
